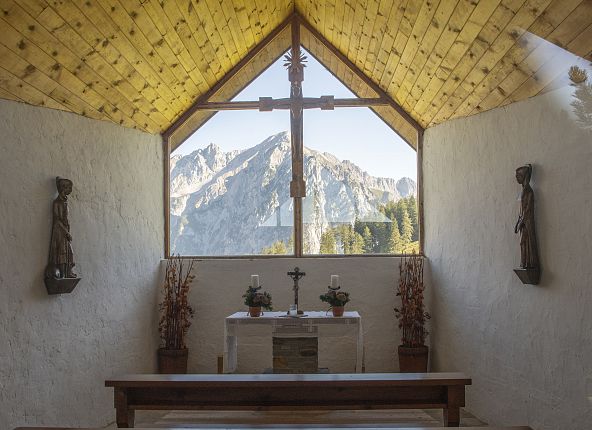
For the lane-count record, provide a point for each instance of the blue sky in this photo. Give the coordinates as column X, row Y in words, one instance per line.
column 354, row 134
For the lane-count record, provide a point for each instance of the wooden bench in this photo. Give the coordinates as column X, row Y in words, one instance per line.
column 312, row 427
column 287, row 392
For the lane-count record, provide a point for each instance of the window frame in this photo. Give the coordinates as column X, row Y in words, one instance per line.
column 167, row 212
column 295, row 22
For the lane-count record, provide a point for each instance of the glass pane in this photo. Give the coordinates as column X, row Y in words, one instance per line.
column 273, row 82
column 361, row 185
column 318, row 81
column 230, row 187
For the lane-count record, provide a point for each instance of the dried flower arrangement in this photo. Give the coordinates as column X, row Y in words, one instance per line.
column 411, row 315
column 253, row 298
column 334, row 297
column 175, row 309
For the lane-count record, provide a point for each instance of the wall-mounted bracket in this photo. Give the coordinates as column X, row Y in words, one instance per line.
column 529, row 276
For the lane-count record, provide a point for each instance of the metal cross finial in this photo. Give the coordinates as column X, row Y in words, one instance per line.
column 296, row 274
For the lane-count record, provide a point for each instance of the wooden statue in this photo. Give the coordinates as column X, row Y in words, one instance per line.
column 61, row 257
column 525, row 226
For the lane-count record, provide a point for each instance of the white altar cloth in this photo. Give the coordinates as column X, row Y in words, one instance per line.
column 278, row 324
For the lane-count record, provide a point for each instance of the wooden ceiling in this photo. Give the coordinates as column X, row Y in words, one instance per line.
column 143, row 63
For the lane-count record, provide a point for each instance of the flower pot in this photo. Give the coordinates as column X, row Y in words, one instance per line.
column 413, row 360
column 338, row 311
column 254, row 311
column 172, row 360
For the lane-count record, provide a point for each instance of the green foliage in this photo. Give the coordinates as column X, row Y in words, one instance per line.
column 406, row 228
column 254, row 298
column 335, row 298
column 400, row 236
column 348, row 240
column 368, row 240
column 411, row 248
column 328, row 244
column 276, row 248
column 395, row 241
column 413, row 216
column 400, row 212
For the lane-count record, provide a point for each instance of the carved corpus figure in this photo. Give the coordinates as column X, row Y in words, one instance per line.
column 296, row 274
column 525, row 225
column 61, row 257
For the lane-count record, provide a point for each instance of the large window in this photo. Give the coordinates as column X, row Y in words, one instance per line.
column 230, row 181
column 361, row 186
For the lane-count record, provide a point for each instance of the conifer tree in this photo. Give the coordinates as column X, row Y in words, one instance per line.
column 328, row 244
column 278, row 247
column 381, row 235
column 395, row 241
column 412, row 211
column 400, row 212
column 406, row 229
column 357, row 245
column 368, row 241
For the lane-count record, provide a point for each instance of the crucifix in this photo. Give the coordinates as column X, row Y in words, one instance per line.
column 296, row 275
column 295, row 104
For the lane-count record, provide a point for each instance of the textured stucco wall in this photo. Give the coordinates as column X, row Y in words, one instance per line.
column 56, row 351
column 527, row 348
column 371, row 282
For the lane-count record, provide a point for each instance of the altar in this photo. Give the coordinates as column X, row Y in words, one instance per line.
column 313, row 324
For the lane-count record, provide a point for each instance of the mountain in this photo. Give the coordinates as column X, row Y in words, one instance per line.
column 238, row 202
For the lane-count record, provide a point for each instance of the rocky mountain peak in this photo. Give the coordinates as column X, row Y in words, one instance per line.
column 238, row 202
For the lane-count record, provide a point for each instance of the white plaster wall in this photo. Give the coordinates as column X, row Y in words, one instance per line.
column 219, row 285
column 527, row 348
column 56, row 351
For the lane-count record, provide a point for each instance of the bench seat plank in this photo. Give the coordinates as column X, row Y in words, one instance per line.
column 299, row 427
column 279, row 380
column 260, row 392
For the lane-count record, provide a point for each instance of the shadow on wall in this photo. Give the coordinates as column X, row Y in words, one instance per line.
column 582, row 97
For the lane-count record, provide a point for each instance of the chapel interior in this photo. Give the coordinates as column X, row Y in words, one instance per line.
column 494, row 98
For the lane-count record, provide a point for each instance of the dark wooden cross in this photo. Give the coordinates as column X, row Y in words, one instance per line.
column 296, row 275
column 296, row 104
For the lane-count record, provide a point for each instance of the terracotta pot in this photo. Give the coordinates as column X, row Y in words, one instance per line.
column 172, row 360
column 255, row 311
column 338, row 311
column 413, row 360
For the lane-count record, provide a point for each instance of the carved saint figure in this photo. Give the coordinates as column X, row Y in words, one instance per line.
column 525, row 224
column 61, row 258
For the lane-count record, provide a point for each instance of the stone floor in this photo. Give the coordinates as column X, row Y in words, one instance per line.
column 296, row 419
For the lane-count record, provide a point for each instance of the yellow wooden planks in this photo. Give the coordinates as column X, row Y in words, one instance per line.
column 142, row 63
column 515, row 60
column 13, row 85
column 517, row 26
column 450, row 34
column 426, row 47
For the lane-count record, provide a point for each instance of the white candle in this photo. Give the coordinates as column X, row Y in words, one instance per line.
column 334, row 281
column 255, row 281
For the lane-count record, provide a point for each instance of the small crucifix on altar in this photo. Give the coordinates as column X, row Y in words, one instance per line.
column 296, row 275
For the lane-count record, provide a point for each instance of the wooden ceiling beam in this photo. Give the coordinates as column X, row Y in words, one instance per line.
column 308, row 102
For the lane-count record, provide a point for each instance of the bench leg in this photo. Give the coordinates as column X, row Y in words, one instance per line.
column 124, row 416
column 452, row 417
column 455, row 399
